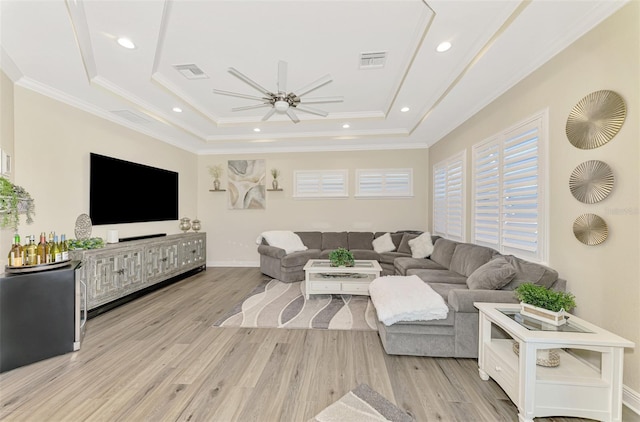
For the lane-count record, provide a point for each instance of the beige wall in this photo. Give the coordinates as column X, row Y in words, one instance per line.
column 52, row 146
column 605, row 278
column 232, row 233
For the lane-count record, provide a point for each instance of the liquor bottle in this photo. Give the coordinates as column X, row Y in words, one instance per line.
column 49, row 249
column 17, row 252
column 31, row 251
column 42, row 249
column 56, row 255
column 64, row 247
column 10, row 257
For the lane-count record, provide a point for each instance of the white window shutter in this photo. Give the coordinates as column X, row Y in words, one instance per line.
column 320, row 184
column 448, row 197
column 384, row 182
column 486, row 202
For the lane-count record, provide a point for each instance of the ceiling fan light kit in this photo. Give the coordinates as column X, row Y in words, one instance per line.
column 282, row 101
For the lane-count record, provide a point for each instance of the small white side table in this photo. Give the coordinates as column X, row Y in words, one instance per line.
column 574, row 388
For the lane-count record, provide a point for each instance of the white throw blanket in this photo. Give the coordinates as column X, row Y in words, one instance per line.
column 285, row 239
column 406, row 298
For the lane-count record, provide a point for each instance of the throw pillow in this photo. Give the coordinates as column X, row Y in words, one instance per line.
column 493, row 275
column 421, row 246
column 287, row 240
column 383, row 243
column 404, row 243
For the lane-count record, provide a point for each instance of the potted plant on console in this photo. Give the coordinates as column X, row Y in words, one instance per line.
column 341, row 257
column 544, row 304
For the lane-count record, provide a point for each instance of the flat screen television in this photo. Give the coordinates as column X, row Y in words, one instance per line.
column 126, row 192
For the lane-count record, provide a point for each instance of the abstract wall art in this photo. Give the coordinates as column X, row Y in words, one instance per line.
column 247, row 180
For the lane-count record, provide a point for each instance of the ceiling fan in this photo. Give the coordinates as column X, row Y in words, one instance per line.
column 282, row 101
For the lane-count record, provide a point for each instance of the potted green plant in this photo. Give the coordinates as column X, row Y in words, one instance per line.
column 544, row 304
column 341, row 257
column 216, row 172
column 14, row 200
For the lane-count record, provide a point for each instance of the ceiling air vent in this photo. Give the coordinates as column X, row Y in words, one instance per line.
column 131, row 116
column 373, row 60
column 190, row 71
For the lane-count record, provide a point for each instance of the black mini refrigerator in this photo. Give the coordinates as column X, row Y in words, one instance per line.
column 42, row 314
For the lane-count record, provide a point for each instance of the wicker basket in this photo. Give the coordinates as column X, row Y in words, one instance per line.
column 544, row 357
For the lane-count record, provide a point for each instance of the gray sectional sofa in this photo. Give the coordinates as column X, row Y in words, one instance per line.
column 462, row 273
column 288, row 268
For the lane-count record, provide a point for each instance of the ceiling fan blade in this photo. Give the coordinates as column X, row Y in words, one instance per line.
column 269, row 114
column 282, row 76
column 249, row 81
column 314, row 85
column 322, row 100
column 312, row 110
column 292, row 115
column 236, row 94
column 251, row 106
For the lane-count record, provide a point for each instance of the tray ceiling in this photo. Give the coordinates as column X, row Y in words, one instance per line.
column 381, row 56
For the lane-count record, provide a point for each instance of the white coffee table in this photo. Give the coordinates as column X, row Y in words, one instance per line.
column 321, row 278
column 574, row 388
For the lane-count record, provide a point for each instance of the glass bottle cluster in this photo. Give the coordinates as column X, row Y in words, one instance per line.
column 44, row 252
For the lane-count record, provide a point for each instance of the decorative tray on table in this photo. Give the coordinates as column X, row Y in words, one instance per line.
column 36, row 268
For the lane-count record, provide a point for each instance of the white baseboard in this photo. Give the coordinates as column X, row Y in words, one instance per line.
column 233, row 263
column 631, row 399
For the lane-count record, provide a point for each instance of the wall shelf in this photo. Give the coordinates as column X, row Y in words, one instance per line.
column 274, row 190
column 217, row 190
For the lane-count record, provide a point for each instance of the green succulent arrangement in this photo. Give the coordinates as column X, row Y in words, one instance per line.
column 341, row 257
column 545, row 298
column 14, row 200
column 92, row 243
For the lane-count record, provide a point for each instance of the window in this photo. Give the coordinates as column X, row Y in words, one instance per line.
column 320, row 184
column 509, row 173
column 448, row 197
column 384, row 183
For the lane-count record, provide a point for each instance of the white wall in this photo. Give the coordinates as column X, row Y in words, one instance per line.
column 52, row 146
column 6, row 143
column 605, row 278
column 232, row 233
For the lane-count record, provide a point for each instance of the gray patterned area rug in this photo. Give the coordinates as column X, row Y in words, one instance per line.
column 274, row 304
column 362, row 404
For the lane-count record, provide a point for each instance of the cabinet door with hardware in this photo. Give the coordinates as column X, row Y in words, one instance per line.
column 193, row 251
column 112, row 274
column 160, row 261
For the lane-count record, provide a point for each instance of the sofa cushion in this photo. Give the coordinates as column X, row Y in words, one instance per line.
column 404, row 244
column 495, row 274
column 389, row 257
column 443, row 289
column 443, row 251
column 530, row 272
column 439, row 276
column 312, row 240
column 334, row 240
column 297, row 259
column 383, row 243
column 403, row 264
column 284, row 239
column 421, row 246
column 365, row 254
column 468, row 257
column 360, row 240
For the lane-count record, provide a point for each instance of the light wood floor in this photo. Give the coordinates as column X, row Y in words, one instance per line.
column 159, row 359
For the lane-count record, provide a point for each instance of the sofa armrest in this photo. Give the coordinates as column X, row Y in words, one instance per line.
column 271, row 251
column 461, row 300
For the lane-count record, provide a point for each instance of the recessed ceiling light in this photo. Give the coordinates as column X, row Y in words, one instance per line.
column 346, row 126
column 443, row 46
column 126, row 43
column 177, row 109
column 405, row 109
column 256, row 129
